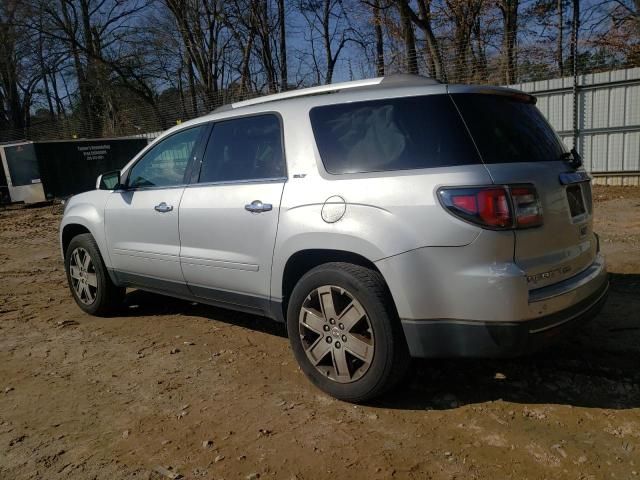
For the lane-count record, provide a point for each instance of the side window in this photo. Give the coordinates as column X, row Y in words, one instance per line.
column 247, row 148
column 392, row 134
column 165, row 164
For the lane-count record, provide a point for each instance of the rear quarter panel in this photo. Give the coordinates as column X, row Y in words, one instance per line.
column 385, row 213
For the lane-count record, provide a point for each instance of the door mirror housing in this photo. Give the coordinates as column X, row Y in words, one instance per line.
column 109, row 180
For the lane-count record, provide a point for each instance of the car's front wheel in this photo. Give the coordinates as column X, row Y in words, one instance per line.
column 89, row 282
column 344, row 332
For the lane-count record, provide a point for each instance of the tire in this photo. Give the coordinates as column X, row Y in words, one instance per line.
column 363, row 313
column 89, row 282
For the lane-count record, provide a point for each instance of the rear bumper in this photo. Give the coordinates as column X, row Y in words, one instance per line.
column 485, row 339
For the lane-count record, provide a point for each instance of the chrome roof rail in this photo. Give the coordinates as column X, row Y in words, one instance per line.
column 305, row 92
column 396, row 80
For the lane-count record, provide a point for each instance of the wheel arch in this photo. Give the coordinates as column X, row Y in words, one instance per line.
column 70, row 231
column 303, row 261
column 84, row 213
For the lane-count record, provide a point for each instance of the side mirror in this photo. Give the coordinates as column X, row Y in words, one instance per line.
column 109, row 180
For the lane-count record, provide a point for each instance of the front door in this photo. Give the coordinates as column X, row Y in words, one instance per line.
column 229, row 218
column 141, row 220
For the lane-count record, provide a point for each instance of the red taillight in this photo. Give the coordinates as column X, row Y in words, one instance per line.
column 468, row 203
column 495, row 207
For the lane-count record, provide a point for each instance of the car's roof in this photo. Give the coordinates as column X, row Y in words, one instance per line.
column 394, row 86
column 360, row 90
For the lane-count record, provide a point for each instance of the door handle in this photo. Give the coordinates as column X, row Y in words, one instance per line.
column 258, row 207
column 163, row 208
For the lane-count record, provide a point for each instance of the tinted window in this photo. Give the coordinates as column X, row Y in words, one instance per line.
column 247, row 148
column 391, row 134
column 164, row 165
column 507, row 129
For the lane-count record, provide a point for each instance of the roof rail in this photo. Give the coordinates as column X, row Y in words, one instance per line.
column 408, row 80
column 395, row 80
column 304, row 92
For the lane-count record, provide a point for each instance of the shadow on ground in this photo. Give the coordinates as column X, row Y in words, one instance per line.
column 139, row 303
column 598, row 367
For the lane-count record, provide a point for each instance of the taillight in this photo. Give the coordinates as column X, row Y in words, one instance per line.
column 526, row 206
column 494, row 207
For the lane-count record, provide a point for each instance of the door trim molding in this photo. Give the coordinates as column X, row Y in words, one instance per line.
column 215, row 263
column 219, row 298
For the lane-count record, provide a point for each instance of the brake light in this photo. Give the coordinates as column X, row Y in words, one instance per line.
column 501, row 207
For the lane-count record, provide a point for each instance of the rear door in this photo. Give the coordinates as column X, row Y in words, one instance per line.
column 141, row 220
column 518, row 146
column 229, row 217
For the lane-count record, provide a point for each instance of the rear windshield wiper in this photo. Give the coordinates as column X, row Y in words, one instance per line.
column 573, row 157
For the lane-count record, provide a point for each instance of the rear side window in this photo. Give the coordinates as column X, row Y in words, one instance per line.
column 248, row 148
column 391, row 134
column 508, row 129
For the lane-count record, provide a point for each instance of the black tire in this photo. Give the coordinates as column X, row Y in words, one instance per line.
column 108, row 297
column 390, row 360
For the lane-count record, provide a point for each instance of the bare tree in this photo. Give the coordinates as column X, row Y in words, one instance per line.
column 423, row 20
column 464, row 16
column 110, row 66
column 509, row 9
column 328, row 21
column 284, row 77
column 560, row 44
column 264, row 26
column 94, row 31
column 201, row 30
column 12, row 112
column 408, row 38
column 379, row 39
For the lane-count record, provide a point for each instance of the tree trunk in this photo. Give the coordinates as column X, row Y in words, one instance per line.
column 183, row 103
column 559, row 52
column 284, row 81
column 54, row 88
column 326, row 38
column 45, row 79
column 479, row 55
column 409, row 39
column 244, row 69
column 377, row 27
column 94, row 96
column 437, row 68
column 192, row 87
column 8, row 74
column 262, row 26
column 509, row 9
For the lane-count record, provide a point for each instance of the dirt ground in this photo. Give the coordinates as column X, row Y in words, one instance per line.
column 83, row 397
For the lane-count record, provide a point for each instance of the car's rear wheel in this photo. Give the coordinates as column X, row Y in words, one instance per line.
column 89, row 282
column 345, row 333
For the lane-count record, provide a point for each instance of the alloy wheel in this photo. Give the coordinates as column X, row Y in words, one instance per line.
column 336, row 334
column 84, row 280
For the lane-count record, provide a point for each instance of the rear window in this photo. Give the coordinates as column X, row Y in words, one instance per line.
column 391, row 134
column 508, row 129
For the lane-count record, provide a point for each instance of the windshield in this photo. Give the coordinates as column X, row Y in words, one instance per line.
column 507, row 129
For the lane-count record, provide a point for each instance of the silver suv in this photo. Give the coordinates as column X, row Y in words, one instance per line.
column 381, row 220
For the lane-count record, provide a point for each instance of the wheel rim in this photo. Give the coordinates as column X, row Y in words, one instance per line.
column 84, row 280
column 336, row 334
